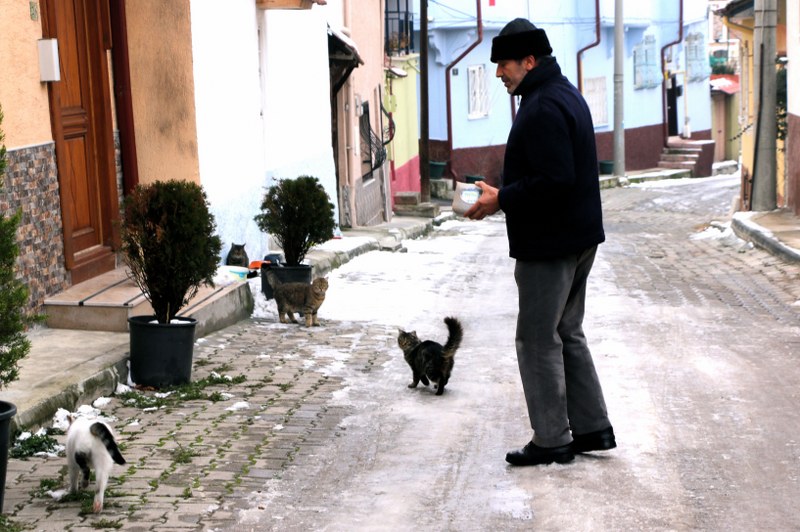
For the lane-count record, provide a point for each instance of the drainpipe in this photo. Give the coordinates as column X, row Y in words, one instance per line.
column 665, row 123
column 590, row 45
column 447, row 85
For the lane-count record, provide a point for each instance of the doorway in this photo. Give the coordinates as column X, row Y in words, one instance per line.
column 80, row 114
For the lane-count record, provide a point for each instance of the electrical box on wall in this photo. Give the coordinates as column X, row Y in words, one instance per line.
column 49, row 69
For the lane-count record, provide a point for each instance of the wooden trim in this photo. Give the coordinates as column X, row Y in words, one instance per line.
column 54, row 97
column 105, row 24
column 123, row 96
column 103, row 127
column 284, row 4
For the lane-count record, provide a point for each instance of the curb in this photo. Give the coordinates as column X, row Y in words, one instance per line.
column 745, row 228
column 101, row 383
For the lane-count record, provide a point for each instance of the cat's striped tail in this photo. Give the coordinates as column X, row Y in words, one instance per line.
column 455, row 334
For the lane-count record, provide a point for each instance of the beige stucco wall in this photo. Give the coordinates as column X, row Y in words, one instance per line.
column 365, row 20
column 22, row 96
column 162, row 89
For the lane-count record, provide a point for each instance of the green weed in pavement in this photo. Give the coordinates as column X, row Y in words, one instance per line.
column 106, row 523
column 7, row 525
column 36, row 443
column 192, row 391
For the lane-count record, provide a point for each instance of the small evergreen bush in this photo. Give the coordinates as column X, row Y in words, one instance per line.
column 298, row 213
column 14, row 318
column 168, row 242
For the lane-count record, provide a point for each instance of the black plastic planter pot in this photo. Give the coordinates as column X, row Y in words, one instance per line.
column 161, row 353
column 7, row 412
column 285, row 274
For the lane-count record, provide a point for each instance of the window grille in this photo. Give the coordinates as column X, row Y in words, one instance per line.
column 373, row 154
column 645, row 64
column 478, row 92
column 697, row 63
column 399, row 30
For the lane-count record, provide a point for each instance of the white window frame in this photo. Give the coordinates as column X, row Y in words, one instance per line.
column 478, row 92
column 645, row 64
column 595, row 91
column 697, row 61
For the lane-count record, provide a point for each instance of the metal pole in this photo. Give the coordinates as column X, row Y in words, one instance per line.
column 765, row 167
column 424, row 157
column 619, row 109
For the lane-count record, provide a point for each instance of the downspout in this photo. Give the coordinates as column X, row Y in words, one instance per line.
column 665, row 124
column 590, row 45
column 447, row 85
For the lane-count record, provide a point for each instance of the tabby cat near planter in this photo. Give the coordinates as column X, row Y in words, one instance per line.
column 298, row 297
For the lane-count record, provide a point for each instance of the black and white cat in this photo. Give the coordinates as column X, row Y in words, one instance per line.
column 90, row 444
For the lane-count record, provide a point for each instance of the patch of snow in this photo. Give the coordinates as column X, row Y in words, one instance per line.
column 240, row 405
column 101, row 402
column 57, row 495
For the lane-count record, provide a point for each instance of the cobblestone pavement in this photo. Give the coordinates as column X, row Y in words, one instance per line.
column 184, row 459
column 693, row 336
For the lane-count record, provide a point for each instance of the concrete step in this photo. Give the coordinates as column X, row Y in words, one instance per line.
column 657, row 174
column 406, row 198
column 683, row 165
column 423, row 210
column 682, row 150
column 680, row 157
column 105, row 302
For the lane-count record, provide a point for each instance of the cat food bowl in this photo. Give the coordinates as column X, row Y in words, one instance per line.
column 234, row 273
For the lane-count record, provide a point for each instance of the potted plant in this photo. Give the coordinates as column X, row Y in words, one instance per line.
column 14, row 319
column 298, row 214
column 169, row 244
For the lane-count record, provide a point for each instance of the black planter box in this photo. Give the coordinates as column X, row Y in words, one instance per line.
column 285, row 274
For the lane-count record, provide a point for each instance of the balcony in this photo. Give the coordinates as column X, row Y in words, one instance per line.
column 399, row 27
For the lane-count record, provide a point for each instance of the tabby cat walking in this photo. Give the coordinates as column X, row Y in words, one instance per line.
column 429, row 360
column 298, row 297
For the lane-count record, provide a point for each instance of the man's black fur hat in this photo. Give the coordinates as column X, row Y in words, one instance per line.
column 520, row 38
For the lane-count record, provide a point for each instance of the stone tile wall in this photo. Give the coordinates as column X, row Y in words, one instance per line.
column 31, row 184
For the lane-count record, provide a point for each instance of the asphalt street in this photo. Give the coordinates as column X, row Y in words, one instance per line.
column 695, row 335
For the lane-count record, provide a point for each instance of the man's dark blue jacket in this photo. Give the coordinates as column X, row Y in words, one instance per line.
column 551, row 190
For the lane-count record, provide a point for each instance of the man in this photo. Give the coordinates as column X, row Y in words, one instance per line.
column 551, row 199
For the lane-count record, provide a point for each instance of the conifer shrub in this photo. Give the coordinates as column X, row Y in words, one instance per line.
column 298, row 213
column 169, row 243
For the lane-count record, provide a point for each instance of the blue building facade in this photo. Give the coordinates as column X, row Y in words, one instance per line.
column 666, row 75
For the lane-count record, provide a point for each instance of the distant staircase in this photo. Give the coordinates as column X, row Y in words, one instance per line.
column 694, row 156
column 409, row 204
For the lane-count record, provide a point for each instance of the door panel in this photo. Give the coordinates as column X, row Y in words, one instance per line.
column 80, row 107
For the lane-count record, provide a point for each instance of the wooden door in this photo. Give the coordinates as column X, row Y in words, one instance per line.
column 80, row 108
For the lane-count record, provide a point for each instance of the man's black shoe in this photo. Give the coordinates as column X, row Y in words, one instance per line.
column 601, row 440
column 532, row 454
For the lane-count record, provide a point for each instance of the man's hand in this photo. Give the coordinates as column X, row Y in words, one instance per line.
column 486, row 205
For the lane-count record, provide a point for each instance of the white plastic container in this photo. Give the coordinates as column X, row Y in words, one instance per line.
column 466, row 194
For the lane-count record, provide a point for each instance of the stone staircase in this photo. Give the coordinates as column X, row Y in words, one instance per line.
column 105, row 302
column 409, row 204
column 694, row 156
